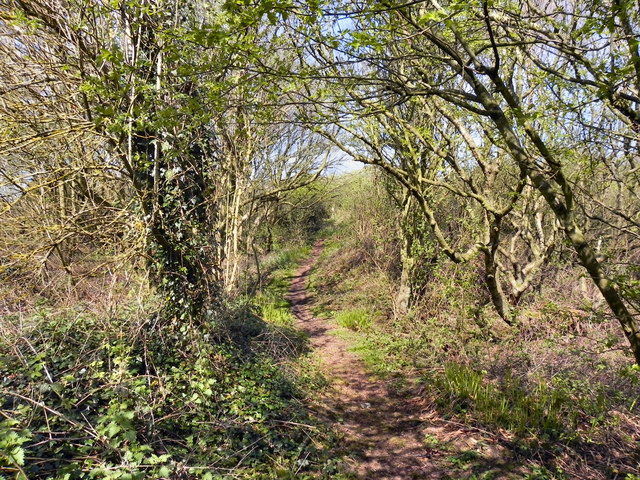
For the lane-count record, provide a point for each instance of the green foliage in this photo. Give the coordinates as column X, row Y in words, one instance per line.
column 301, row 216
column 539, row 473
column 274, row 308
column 150, row 402
column 463, row 459
column 357, row 319
column 287, row 258
column 11, row 441
column 549, row 411
column 275, row 311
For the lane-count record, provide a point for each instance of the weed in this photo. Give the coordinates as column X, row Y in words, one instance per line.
column 550, row 411
column 463, row 459
column 431, row 441
column 358, row 320
column 274, row 310
column 286, row 258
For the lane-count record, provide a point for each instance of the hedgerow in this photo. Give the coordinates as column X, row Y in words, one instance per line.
column 128, row 397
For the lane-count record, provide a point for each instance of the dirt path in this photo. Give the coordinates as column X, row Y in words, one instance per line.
column 384, row 433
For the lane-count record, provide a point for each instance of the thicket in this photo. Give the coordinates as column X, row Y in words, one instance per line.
column 510, row 110
column 102, row 389
column 556, row 387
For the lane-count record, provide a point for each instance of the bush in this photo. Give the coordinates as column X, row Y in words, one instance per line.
column 85, row 397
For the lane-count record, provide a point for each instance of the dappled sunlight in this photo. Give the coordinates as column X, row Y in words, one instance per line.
column 388, row 432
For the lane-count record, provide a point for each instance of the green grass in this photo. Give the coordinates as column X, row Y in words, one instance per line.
column 550, row 411
column 285, row 259
column 358, row 320
column 274, row 313
column 273, row 307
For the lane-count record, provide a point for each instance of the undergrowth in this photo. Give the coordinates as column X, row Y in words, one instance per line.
column 86, row 394
column 541, row 389
column 357, row 319
column 539, row 418
column 273, row 306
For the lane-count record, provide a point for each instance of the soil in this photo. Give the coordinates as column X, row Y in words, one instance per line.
column 388, row 433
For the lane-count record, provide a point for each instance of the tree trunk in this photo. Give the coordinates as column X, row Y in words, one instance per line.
column 557, row 192
column 492, row 274
column 498, row 298
column 405, row 296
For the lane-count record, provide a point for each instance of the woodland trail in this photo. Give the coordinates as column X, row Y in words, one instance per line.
column 384, row 431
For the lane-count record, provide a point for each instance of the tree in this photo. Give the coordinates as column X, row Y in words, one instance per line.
column 148, row 84
column 457, row 55
column 464, row 186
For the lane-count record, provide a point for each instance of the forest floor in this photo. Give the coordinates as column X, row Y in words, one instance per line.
column 390, row 432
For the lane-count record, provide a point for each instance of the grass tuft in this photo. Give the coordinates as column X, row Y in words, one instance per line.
column 358, row 320
column 548, row 411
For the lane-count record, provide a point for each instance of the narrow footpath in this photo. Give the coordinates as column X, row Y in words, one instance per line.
column 387, row 435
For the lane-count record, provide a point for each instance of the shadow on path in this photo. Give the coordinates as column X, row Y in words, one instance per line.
column 384, row 432
column 393, row 435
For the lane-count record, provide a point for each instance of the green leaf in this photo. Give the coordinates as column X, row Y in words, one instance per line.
column 432, row 16
column 164, row 471
column 112, row 429
column 17, row 456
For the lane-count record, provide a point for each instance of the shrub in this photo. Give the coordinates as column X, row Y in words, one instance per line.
column 84, row 396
